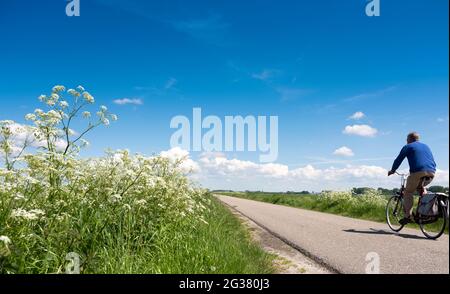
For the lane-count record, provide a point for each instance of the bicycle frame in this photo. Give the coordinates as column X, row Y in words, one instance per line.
column 400, row 194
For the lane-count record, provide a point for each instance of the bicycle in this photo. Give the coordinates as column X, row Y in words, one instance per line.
column 431, row 226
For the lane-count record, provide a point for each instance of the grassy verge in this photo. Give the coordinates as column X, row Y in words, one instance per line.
column 221, row 246
column 216, row 243
column 370, row 206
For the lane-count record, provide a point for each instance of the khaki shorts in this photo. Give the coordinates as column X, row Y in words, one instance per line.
column 414, row 182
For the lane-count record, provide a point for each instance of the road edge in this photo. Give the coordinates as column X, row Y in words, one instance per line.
column 303, row 251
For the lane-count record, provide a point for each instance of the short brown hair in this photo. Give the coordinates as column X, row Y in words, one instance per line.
column 413, row 136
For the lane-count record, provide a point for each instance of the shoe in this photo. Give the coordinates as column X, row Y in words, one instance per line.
column 405, row 221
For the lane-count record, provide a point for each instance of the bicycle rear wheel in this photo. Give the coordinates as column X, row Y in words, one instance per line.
column 433, row 229
column 394, row 213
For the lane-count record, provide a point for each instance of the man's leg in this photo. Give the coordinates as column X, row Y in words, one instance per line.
column 421, row 188
column 408, row 203
column 413, row 182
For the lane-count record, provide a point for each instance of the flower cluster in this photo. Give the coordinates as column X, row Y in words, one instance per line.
column 5, row 241
column 33, row 214
column 354, row 204
column 54, row 202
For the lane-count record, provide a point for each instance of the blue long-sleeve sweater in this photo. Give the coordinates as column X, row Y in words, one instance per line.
column 419, row 157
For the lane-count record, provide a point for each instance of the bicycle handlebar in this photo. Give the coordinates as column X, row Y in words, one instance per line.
column 403, row 175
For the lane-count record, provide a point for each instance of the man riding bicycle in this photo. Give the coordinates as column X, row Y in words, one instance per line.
column 422, row 170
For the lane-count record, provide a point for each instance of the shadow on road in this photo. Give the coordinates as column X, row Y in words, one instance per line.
column 383, row 232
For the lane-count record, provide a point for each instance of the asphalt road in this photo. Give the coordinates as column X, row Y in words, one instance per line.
column 343, row 243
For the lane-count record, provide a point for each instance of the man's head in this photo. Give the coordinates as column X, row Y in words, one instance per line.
column 413, row 137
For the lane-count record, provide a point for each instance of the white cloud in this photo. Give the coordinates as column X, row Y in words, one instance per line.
column 265, row 75
column 442, row 178
column 442, row 119
column 307, row 172
column 216, row 171
column 125, row 101
column 177, row 154
column 212, row 29
column 354, row 173
column 360, row 130
column 357, row 115
column 213, row 163
column 370, row 95
column 289, row 94
column 170, row 83
column 344, row 151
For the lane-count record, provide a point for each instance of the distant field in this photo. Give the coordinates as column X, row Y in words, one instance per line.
column 368, row 206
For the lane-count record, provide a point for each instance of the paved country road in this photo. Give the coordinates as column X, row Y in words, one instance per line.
column 343, row 243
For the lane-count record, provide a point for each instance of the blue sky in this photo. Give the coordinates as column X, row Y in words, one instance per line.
column 311, row 63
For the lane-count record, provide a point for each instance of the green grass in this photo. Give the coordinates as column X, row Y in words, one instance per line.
column 370, row 206
column 222, row 246
column 217, row 244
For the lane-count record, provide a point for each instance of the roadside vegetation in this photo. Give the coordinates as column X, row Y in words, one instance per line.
column 120, row 213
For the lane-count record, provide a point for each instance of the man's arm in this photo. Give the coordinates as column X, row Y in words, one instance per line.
column 398, row 161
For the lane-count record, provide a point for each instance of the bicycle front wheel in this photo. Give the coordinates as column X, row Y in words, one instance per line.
column 434, row 228
column 394, row 213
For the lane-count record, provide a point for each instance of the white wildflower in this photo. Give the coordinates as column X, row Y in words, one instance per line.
column 30, row 116
column 105, row 121
column 141, row 202
column 72, row 132
column 151, row 182
column 88, row 97
column 6, row 122
column 5, row 240
column 33, row 214
column 58, row 88
column 19, row 197
column 51, row 103
column 38, row 111
column 86, row 114
column 117, row 158
column 84, row 143
column 73, row 93
column 52, row 114
column 55, row 96
column 64, row 104
column 116, row 198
